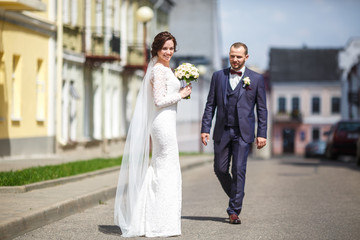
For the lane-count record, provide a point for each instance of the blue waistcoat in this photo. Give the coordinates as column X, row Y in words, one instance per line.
column 231, row 113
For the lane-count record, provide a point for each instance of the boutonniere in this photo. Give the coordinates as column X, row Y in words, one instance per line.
column 246, row 82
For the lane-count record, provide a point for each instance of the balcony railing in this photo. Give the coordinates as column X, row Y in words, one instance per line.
column 72, row 38
column 286, row 117
column 99, row 43
column 135, row 56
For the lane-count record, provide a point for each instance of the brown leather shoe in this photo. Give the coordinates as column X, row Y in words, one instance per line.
column 234, row 219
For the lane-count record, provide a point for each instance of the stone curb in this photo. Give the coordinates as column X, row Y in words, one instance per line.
column 54, row 182
column 29, row 222
column 21, row 225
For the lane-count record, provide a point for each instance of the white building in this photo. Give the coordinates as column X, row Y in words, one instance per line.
column 196, row 27
column 349, row 63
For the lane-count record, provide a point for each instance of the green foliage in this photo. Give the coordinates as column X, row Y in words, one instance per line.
column 184, row 154
column 37, row 174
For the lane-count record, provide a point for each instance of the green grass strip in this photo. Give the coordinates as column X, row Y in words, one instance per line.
column 37, row 174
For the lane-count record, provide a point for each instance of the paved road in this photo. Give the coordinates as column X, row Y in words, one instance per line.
column 285, row 199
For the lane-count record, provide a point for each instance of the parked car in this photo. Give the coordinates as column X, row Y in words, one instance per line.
column 315, row 149
column 342, row 139
column 358, row 152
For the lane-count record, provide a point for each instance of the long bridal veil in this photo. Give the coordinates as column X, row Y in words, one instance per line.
column 135, row 159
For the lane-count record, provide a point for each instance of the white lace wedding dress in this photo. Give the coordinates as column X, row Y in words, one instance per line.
column 163, row 202
column 157, row 211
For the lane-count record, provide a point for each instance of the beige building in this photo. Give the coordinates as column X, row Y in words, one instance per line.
column 305, row 97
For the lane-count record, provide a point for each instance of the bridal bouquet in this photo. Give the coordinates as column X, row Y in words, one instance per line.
column 187, row 72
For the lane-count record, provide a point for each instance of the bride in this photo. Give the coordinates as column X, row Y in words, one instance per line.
column 148, row 196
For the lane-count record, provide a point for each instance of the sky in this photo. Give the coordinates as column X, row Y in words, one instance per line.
column 262, row 24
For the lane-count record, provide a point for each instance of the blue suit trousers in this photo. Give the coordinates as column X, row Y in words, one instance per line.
column 232, row 147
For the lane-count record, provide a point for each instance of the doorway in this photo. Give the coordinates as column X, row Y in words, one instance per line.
column 288, row 140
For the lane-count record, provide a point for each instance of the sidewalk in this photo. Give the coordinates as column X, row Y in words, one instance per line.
column 21, row 162
column 23, row 212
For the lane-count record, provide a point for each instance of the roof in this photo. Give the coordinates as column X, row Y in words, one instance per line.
column 295, row 65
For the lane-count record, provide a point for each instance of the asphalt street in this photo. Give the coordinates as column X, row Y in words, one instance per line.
column 286, row 198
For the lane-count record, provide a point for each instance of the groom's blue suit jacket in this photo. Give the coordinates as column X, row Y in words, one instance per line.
column 248, row 99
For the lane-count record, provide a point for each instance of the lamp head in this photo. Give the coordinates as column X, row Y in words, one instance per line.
column 144, row 14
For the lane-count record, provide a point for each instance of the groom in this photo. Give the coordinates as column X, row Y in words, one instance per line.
column 234, row 93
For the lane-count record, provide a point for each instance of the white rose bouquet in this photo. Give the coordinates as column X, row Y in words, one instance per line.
column 187, row 72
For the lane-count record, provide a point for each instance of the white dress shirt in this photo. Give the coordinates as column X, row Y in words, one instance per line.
column 235, row 79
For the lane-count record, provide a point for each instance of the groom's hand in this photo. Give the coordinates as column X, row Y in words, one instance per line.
column 205, row 138
column 260, row 142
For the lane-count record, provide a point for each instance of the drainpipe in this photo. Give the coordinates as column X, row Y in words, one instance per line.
column 59, row 68
column 105, row 72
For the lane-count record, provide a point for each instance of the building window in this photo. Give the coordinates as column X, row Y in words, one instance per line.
column 315, row 134
column 66, row 17
column 16, row 89
column 316, row 105
column 282, row 105
column 97, row 112
column 73, row 98
column 69, row 111
column 2, row 87
column 116, row 113
column 295, row 108
column 70, row 12
column 99, row 17
column 335, row 105
column 64, row 112
column 74, row 12
column 108, row 113
column 40, row 91
column 295, row 102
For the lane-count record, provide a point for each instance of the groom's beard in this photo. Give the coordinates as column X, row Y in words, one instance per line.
column 237, row 65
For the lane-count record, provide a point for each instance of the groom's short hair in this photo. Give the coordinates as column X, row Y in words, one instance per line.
column 240, row 44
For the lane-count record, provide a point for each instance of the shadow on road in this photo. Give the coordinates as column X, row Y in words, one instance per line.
column 199, row 218
column 110, row 229
column 115, row 230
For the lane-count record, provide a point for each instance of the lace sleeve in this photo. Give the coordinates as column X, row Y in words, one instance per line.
column 161, row 98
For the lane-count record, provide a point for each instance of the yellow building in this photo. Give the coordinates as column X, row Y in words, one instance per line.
column 27, row 46
column 70, row 71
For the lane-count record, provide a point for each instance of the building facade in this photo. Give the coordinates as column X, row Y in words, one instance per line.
column 305, row 97
column 89, row 109
column 27, row 53
column 349, row 59
column 70, row 71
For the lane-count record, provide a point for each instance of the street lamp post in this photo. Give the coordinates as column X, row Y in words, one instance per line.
column 144, row 15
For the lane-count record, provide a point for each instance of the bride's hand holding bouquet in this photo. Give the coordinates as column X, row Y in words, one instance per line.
column 187, row 73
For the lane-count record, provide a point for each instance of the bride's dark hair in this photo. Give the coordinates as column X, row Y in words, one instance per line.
column 159, row 42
